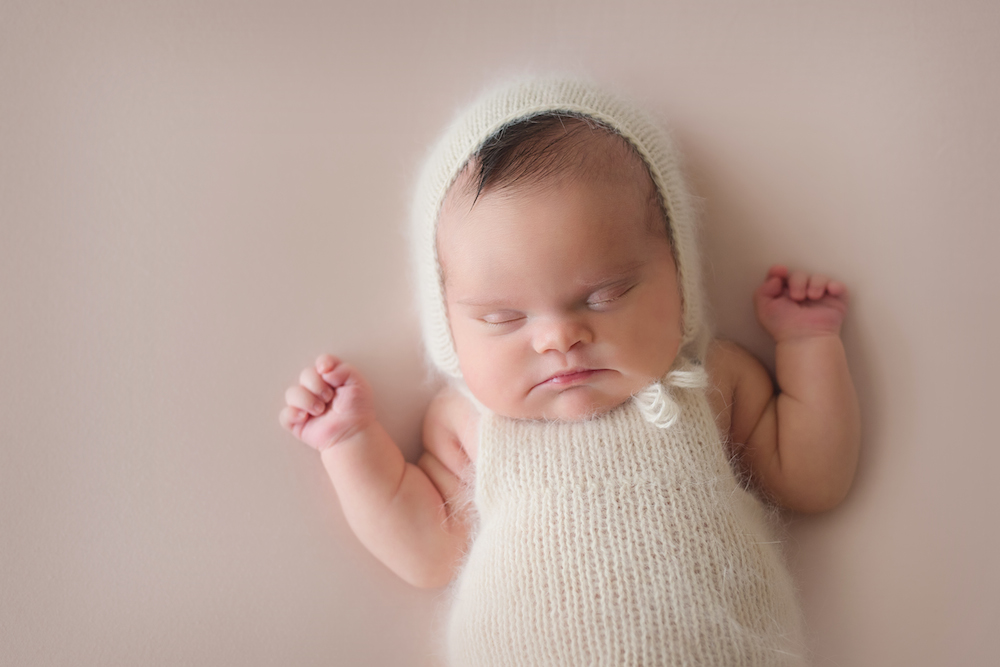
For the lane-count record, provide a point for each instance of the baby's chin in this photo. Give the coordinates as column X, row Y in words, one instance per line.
column 572, row 405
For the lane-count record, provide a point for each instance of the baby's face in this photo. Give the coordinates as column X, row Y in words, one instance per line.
column 562, row 301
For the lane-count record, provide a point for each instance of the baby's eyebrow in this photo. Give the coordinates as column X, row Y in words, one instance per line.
column 615, row 276
column 484, row 303
column 604, row 284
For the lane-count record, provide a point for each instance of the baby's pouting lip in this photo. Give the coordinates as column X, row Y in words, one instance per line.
column 569, row 377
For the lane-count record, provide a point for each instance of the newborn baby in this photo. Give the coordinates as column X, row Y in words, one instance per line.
column 594, row 469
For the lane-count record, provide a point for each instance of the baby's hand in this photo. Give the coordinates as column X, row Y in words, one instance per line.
column 331, row 403
column 798, row 305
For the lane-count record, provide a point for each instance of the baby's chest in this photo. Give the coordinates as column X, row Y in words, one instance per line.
column 605, row 467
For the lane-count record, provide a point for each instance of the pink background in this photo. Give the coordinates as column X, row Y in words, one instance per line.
column 196, row 198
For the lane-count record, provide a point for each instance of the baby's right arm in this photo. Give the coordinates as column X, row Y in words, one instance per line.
column 405, row 514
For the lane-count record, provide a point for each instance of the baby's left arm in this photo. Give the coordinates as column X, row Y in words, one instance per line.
column 799, row 440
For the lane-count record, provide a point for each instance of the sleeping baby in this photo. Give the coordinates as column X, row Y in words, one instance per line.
column 597, row 470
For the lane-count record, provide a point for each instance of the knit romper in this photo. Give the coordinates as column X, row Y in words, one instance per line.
column 616, row 542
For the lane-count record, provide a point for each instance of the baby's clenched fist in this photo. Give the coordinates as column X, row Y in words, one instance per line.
column 795, row 304
column 331, row 403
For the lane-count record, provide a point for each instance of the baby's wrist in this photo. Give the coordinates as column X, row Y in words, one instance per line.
column 361, row 431
column 793, row 337
column 358, row 431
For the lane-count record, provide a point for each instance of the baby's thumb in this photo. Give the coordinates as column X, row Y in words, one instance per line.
column 770, row 289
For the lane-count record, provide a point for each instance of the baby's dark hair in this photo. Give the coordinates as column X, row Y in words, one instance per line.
column 548, row 145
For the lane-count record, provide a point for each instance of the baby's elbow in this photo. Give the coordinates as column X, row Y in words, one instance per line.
column 434, row 566
column 430, row 582
column 428, row 576
column 815, row 500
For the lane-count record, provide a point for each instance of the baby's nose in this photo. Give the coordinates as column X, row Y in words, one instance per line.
column 561, row 334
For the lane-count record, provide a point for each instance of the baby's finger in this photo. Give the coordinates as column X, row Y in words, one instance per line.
column 770, row 288
column 817, row 286
column 339, row 375
column 303, row 399
column 777, row 271
column 797, row 282
column 290, row 417
column 326, row 363
column 311, row 380
column 837, row 288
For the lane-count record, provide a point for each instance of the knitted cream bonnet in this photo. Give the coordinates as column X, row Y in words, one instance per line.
column 516, row 101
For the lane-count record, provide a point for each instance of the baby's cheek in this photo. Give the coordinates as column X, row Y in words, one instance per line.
column 653, row 351
column 493, row 377
column 476, row 367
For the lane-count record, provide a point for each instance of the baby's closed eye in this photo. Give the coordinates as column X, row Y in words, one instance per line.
column 604, row 298
column 502, row 318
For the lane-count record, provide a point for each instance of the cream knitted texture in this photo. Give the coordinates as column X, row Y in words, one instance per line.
column 615, row 542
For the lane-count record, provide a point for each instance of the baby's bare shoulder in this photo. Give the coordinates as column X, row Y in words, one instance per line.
column 739, row 387
column 451, row 429
column 727, row 361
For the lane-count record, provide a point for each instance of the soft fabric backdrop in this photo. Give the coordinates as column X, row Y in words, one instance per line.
column 196, row 198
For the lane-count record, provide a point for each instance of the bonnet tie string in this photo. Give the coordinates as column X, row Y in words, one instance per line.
column 655, row 402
